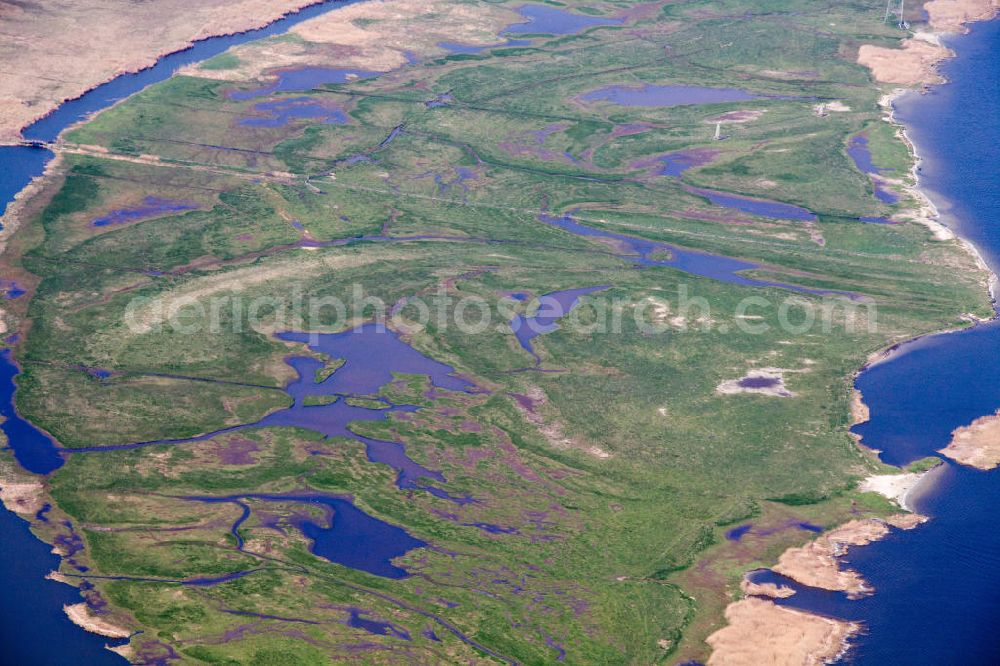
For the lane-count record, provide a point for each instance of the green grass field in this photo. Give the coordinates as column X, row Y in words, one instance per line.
column 621, row 482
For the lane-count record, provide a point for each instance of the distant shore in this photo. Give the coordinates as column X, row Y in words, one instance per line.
column 42, row 47
column 756, row 625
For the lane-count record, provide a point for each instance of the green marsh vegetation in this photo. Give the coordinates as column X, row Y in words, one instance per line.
column 620, row 481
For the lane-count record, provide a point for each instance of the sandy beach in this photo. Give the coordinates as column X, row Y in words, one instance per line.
column 896, row 487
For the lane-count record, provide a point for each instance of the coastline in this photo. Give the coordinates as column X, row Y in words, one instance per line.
column 10, row 219
column 819, row 558
column 22, row 493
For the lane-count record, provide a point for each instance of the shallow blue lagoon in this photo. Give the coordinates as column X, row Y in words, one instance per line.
column 33, row 449
column 280, row 112
column 347, row 535
column 304, row 78
column 653, row 95
column 858, row 149
column 551, row 308
column 648, row 253
column 553, row 21
column 760, row 207
column 149, row 207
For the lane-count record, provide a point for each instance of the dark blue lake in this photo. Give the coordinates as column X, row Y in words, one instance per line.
column 551, row 308
column 347, row 536
column 648, row 253
column 280, row 112
column 761, row 207
column 304, row 78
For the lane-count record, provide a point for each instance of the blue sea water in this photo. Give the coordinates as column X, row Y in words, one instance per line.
column 938, row 586
column 33, row 628
column 19, row 165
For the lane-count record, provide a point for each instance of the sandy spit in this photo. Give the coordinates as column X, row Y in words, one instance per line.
column 81, row 616
column 977, row 444
column 953, row 15
column 769, row 590
column 761, row 632
column 816, row 564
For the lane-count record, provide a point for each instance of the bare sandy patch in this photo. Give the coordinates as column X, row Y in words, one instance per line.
column 23, row 497
column 761, row 632
column 836, row 106
column 977, row 444
column 368, row 36
column 82, row 617
column 762, row 381
column 952, row 15
column 816, row 564
column 913, row 64
column 738, row 116
column 550, row 428
column 81, row 45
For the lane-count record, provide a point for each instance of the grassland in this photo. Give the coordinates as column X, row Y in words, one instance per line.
column 618, row 484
